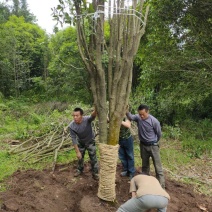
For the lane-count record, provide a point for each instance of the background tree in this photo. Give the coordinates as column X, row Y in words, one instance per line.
column 20, row 8
column 67, row 78
column 175, row 60
column 21, row 55
column 109, row 65
column 4, row 12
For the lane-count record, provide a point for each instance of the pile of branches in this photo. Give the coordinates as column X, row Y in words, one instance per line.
column 49, row 145
column 36, row 149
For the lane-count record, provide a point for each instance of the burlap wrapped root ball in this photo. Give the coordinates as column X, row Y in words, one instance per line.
column 107, row 175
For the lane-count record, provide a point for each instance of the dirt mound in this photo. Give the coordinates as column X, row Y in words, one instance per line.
column 43, row 191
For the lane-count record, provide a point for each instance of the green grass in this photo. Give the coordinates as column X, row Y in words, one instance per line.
column 196, row 148
column 67, row 157
column 174, row 159
column 20, row 120
column 180, row 146
column 180, row 166
column 171, row 157
column 8, row 164
column 197, row 138
column 11, row 163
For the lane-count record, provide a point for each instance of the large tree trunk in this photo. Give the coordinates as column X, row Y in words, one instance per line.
column 112, row 82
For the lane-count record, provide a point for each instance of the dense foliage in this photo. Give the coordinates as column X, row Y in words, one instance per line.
column 67, row 78
column 15, row 7
column 175, row 60
column 172, row 70
column 21, row 55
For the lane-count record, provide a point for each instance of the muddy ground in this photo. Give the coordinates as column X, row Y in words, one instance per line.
column 31, row 191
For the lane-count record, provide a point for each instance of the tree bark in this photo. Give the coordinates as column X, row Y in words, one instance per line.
column 113, row 83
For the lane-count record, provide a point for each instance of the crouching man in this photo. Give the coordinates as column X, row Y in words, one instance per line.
column 83, row 139
column 147, row 193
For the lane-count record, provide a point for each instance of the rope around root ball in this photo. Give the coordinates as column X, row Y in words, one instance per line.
column 107, row 176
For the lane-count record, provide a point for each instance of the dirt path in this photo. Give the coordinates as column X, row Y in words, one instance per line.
column 31, row 191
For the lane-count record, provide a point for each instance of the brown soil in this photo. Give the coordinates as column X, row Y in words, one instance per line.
column 31, row 191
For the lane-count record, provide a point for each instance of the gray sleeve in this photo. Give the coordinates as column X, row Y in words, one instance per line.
column 73, row 136
column 131, row 117
column 157, row 129
column 91, row 118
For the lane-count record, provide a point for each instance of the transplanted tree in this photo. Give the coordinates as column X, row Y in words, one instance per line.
column 109, row 63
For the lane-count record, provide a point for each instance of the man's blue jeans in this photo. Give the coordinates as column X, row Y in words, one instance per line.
column 126, row 155
column 143, row 203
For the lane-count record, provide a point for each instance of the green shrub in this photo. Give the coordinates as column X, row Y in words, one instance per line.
column 200, row 130
column 8, row 164
column 170, row 132
column 3, row 106
column 35, row 118
column 1, row 97
column 196, row 148
column 197, row 137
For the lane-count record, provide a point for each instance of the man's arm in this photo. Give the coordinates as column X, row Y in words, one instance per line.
column 133, row 194
column 79, row 155
column 74, row 141
column 126, row 123
column 157, row 129
column 73, row 136
column 131, row 117
column 93, row 115
column 133, row 187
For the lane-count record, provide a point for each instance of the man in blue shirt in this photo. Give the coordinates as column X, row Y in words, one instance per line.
column 149, row 132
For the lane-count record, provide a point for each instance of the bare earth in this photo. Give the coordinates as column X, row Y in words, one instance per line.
column 31, row 191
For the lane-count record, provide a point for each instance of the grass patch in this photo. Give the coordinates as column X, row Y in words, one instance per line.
column 174, row 159
column 67, row 157
column 196, row 148
column 180, row 148
column 180, row 166
column 171, row 155
column 198, row 185
column 8, row 164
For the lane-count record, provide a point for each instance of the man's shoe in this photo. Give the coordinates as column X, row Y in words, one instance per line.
column 124, row 174
column 77, row 173
column 95, row 176
column 131, row 176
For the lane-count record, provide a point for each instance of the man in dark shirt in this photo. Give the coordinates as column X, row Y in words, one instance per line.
column 149, row 132
column 83, row 139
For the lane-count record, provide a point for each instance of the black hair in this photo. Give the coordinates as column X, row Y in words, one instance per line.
column 79, row 109
column 142, row 107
